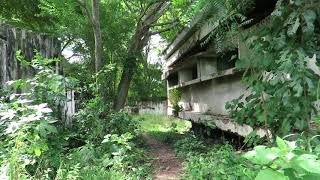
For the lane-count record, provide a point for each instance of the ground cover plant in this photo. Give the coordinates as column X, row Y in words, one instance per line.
column 287, row 160
column 212, row 161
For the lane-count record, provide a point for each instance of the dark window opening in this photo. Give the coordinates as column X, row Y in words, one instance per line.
column 194, row 72
column 189, row 73
column 173, row 79
column 227, row 60
column 259, row 11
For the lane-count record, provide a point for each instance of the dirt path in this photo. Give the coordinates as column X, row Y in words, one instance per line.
column 167, row 165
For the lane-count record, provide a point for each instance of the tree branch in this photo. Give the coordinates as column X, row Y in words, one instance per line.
column 85, row 9
column 144, row 11
column 159, row 12
column 174, row 21
column 163, row 30
column 73, row 55
column 154, row 12
column 66, row 44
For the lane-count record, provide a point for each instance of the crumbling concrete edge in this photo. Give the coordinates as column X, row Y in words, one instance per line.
column 224, row 123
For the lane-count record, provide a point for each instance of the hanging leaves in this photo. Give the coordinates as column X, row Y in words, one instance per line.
column 284, row 78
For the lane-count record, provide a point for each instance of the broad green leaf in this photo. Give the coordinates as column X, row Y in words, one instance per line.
column 281, row 144
column 308, row 162
column 261, row 155
column 311, row 177
column 269, row 174
column 37, row 152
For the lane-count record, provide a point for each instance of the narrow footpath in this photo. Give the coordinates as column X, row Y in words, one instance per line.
column 167, row 166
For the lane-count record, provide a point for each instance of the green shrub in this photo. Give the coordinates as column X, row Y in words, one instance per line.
column 36, row 144
column 28, row 124
column 205, row 161
column 120, row 123
column 286, row 161
column 176, row 108
column 92, row 124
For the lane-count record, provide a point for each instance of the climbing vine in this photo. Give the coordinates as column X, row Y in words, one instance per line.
column 282, row 73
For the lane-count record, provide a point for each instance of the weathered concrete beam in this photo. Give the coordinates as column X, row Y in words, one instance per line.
column 224, row 123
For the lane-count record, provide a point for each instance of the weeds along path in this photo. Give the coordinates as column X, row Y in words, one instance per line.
column 167, row 166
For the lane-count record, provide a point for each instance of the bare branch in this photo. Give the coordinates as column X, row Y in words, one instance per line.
column 66, row 44
column 155, row 12
column 74, row 55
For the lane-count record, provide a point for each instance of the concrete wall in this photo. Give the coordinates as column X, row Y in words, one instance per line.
column 148, row 107
column 211, row 96
column 206, row 98
column 185, row 75
column 208, row 66
column 153, row 107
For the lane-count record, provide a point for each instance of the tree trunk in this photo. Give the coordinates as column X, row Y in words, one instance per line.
column 97, row 34
column 123, row 88
column 137, row 44
column 139, row 41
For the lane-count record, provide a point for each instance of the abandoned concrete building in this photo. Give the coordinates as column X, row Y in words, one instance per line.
column 206, row 79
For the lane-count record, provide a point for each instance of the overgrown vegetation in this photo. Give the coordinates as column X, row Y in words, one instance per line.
column 294, row 159
column 207, row 161
column 289, row 160
column 281, row 73
column 37, row 144
column 282, row 70
column 202, row 160
column 162, row 127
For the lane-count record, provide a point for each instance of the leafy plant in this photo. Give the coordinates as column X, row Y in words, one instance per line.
column 282, row 70
column 252, row 139
column 175, row 97
column 92, row 123
column 36, row 144
column 286, row 161
column 27, row 124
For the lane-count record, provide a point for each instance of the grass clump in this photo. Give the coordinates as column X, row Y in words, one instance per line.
column 161, row 123
column 211, row 161
column 164, row 128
